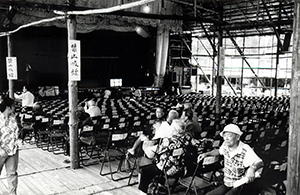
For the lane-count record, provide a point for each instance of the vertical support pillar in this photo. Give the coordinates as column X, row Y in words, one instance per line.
column 10, row 54
column 162, row 46
column 164, row 50
column 242, row 71
column 73, row 104
column 293, row 182
column 213, row 68
column 219, row 72
column 276, row 68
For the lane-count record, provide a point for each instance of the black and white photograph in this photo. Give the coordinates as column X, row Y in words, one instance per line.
column 149, row 97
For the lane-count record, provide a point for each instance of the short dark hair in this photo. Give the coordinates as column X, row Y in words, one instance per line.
column 189, row 113
column 7, row 102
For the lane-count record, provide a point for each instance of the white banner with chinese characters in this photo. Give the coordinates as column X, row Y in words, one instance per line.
column 11, row 68
column 74, row 61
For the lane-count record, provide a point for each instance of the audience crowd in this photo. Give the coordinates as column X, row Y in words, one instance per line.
column 174, row 132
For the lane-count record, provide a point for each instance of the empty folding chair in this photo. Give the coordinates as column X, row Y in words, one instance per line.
column 115, row 152
column 27, row 130
column 42, row 128
column 56, row 137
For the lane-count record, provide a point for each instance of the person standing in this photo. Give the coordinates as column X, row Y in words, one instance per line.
column 27, row 98
column 9, row 142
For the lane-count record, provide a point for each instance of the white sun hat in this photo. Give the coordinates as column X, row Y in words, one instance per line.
column 231, row 128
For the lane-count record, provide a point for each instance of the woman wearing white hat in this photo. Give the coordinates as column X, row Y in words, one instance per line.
column 240, row 161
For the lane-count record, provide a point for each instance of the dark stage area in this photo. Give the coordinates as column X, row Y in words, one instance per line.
column 105, row 55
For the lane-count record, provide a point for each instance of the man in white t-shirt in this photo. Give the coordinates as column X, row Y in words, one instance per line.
column 92, row 109
column 26, row 97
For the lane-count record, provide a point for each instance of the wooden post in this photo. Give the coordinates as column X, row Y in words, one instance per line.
column 219, row 73
column 293, row 182
column 213, row 72
column 73, row 104
column 10, row 54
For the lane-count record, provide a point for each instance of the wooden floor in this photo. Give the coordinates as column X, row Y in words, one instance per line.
column 43, row 173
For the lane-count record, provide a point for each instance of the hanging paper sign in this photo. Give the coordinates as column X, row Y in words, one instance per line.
column 11, row 67
column 74, row 60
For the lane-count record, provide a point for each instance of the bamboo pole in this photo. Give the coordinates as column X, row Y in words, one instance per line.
column 73, row 108
column 10, row 54
column 2, row 34
column 293, row 171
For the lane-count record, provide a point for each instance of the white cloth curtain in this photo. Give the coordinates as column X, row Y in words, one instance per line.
column 162, row 46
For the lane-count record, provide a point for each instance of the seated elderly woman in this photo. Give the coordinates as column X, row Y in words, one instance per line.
column 170, row 156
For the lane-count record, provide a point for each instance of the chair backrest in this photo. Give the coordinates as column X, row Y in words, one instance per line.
column 209, row 160
column 118, row 136
column 87, row 128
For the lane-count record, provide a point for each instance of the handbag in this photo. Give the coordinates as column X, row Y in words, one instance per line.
column 156, row 188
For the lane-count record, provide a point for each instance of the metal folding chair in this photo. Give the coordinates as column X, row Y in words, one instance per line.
column 115, row 149
column 203, row 175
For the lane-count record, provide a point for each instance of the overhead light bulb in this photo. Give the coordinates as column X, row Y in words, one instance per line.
column 142, row 32
column 146, row 9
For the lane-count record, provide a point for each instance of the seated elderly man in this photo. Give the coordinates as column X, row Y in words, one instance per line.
column 191, row 126
column 240, row 162
column 92, row 109
column 27, row 98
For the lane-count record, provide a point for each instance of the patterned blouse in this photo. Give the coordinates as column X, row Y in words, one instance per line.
column 175, row 154
column 9, row 134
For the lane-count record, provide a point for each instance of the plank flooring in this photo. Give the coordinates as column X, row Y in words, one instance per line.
column 44, row 173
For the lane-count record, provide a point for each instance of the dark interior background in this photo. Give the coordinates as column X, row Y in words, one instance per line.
column 104, row 55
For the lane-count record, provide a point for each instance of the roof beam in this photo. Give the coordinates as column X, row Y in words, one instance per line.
column 105, row 10
column 164, row 17
column 193, row 4
column 251, row 25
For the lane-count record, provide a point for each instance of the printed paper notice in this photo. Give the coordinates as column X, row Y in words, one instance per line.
column 74, row 60
column 11, row 67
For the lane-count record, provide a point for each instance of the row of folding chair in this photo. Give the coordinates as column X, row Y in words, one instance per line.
column 95, row 139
